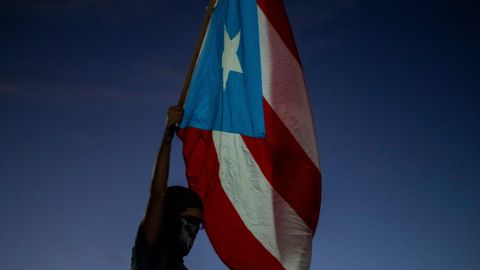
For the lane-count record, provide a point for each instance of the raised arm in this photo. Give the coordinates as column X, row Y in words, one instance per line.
column 153, row 217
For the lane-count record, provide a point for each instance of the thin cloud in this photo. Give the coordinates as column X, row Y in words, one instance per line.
column 116, row 259
column 317, row 13
column 104, row 11
column 56, row 5
column 347, row 3
column 310, row 19
column 146, row 81
column 78, row 94
column 9, row 88
column 320, row 44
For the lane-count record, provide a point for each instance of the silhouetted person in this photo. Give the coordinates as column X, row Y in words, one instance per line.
column 173, row 216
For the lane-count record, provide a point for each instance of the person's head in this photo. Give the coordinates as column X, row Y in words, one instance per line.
column 183, row 218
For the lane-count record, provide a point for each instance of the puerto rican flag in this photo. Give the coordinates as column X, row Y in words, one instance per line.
column 249, row 140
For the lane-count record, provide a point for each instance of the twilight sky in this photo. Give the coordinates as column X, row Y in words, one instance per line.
column 394, row 86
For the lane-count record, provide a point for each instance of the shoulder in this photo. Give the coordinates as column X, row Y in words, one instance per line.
column 144, row 256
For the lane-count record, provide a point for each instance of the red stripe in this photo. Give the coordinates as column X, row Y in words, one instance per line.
column 234, row 243
column 275, row 12
column 287, row 167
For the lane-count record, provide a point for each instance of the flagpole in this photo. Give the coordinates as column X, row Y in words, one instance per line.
column 198, row 47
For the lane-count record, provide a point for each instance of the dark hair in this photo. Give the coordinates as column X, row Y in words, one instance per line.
column 180, row 198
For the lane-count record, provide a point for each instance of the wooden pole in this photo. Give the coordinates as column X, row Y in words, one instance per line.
column 198, row 47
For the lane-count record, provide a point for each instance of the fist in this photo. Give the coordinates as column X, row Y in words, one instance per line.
column 174, row 116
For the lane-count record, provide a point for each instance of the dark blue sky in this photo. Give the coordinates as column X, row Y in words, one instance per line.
column 394, row 87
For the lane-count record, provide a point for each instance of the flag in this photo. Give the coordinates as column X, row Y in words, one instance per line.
column 249, row 141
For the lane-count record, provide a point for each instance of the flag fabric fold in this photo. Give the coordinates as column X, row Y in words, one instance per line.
column 249, row 140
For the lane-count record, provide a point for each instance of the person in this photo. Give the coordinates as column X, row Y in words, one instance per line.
column 173, row 216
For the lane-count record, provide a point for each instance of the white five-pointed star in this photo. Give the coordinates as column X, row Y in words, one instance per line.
column 230, row 61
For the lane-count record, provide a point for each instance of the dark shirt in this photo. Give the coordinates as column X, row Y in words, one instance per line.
column 145, row 257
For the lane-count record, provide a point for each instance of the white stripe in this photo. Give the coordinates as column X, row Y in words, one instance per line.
column 264, row 212
column 284, row 87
